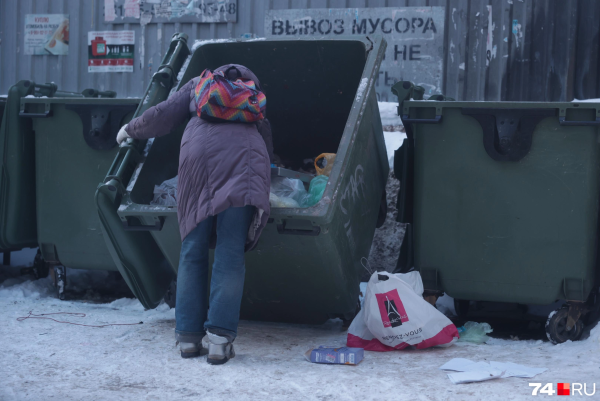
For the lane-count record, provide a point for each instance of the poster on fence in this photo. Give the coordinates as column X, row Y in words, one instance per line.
column 111, row 51
column 47, row 34
column 159, row 11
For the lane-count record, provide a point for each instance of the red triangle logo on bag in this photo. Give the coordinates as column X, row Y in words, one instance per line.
column 391, row 308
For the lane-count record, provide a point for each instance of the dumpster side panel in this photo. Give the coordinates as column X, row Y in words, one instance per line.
column 286, row 279
column 17, row 176
column 67, row 173
column 358, row 197
column 507, row 231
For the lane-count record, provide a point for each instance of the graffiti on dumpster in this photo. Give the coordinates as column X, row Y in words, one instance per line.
column 355, row 189
column 415, row 38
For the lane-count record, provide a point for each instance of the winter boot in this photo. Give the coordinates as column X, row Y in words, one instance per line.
column 192, row 350
column 220, row 349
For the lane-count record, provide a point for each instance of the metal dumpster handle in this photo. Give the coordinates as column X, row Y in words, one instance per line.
column 47, row 111
column 316, row 230
column 128, row 226
column 46, row 114
column 436, row 120
column 595, row 122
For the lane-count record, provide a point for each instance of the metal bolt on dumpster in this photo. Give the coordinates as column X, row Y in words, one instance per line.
column 306, row 267
column 502, row 202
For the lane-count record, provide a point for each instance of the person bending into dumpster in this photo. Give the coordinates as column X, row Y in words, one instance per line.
column 223, row 203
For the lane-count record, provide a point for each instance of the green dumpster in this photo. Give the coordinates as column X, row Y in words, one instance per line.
column 17, row 178
column 75, row 143
column 504, row 200
column 307, row 265
column 17, row 162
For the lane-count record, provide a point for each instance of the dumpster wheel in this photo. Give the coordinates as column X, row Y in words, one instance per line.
column 556, row 327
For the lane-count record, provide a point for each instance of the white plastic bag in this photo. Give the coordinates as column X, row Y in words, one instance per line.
column 277, row 201
column 395, row 316
column 286, row 192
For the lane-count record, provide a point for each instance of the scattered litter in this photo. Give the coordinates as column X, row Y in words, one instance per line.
column 474, row 332
column 464, row 365
column 165, row 194
column 480, row 371
column 332, row 355
column 396, row 316
column 474, row 376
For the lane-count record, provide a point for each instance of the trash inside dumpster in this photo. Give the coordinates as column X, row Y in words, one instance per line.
column 504, row 204
column 306, row 267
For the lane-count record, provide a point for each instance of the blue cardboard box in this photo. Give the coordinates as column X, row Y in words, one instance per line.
column 332, row 355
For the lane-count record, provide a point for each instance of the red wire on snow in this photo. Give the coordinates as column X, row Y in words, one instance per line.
column 41, row 316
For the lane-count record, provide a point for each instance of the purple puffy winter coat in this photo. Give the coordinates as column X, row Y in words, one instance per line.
column 221, row 165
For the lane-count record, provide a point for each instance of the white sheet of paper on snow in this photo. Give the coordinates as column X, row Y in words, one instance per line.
column 475, row 376
column 464, row 365
column 480, row 371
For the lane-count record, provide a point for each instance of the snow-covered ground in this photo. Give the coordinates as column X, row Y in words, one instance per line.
column 42, row 359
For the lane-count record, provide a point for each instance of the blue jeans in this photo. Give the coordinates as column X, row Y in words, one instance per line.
column 192, row 311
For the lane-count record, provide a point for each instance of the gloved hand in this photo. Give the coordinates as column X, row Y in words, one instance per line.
column 122, row 135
